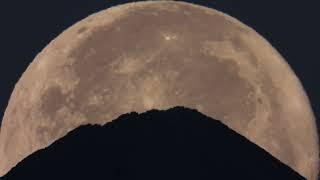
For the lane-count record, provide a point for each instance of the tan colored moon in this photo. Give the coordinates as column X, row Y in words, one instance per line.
column 146, row 55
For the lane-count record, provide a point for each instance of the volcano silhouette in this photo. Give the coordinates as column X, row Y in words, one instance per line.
column 178, row 143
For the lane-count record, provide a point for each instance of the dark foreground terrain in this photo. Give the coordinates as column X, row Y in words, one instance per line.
column 178, row 143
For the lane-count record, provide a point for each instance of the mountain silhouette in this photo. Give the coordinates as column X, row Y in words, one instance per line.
column 178, row 143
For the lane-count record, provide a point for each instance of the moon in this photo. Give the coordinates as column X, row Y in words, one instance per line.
column 156, row 55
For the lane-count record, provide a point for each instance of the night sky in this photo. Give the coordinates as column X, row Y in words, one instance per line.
column 291, row 27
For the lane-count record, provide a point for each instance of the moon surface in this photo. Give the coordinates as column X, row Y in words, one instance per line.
column 156, row 55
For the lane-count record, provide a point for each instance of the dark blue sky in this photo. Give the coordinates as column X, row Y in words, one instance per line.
column 28, row 26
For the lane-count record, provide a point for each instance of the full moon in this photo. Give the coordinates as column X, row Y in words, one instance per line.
column 157, row 55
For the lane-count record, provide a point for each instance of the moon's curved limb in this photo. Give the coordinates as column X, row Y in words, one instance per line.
column 147, row 55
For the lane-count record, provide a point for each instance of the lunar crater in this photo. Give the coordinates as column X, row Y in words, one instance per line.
column 82, row 29
column 52, row 99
